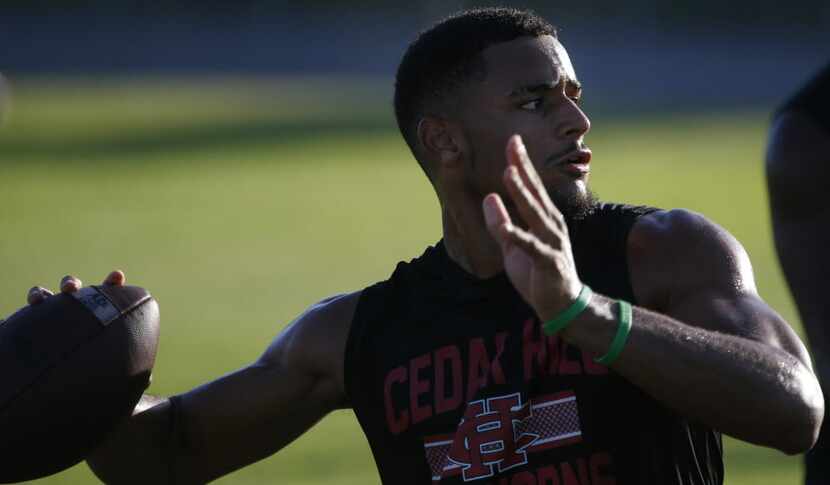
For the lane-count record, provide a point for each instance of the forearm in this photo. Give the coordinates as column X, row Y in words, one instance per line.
column 140, row 449
column 241, row 417
column 212, row 430
column 739, row 386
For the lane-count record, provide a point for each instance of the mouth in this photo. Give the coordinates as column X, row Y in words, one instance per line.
column 575, row 160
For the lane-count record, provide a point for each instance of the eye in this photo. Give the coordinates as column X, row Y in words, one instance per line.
column 532, row 105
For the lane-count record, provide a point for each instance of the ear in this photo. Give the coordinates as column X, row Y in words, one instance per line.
column 439, row 140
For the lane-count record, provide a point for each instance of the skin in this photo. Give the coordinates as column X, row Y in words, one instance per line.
column 798, row 170
column 703, row 342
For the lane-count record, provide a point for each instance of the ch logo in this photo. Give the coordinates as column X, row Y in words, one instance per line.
column 486, row 439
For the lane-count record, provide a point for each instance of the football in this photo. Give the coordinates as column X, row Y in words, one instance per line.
column 73, row 367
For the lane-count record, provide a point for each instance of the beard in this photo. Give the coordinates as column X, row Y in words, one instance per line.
column 575, row 205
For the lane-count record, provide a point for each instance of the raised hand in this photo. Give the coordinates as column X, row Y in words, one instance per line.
column 539, row 260
column 71, row 284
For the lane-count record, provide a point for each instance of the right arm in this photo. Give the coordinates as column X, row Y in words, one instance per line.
column 239, row 418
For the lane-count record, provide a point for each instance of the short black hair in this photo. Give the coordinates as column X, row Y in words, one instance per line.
column 447, row 54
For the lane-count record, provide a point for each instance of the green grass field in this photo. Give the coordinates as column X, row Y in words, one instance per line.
column 240, row 202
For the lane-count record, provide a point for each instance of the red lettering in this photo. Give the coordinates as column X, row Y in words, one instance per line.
column 600, row 463
column 554, row 354
column 417, row 387
column 568, row 366
column 572, row 473
column 512, row 450
column 547, row 476
column 463, row 450
column 443, row 402
column 398, row 423
column 486, row 442
column 568, row 475
column 582, row 467
column 523, row 478
column 478, row 367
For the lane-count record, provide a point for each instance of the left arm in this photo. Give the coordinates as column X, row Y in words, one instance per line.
column 712, row 350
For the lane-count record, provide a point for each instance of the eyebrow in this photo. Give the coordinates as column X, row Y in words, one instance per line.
column 537, row 88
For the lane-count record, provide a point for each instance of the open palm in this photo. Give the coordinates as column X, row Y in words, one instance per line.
column 539, row 260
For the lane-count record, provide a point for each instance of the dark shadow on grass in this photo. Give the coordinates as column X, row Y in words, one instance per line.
column 202, row 137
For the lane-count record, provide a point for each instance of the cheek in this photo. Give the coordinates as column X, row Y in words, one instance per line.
column 485, row 171
column 487, row 144
column 487, row 137
column 534, row 136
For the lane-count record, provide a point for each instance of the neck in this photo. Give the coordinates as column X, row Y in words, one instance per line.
column 468, row 242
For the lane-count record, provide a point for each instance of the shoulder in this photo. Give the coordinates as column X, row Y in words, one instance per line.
column 689, row 268
column 670, row 251
column 314, row 343
column 679, row 228
column 797, row 165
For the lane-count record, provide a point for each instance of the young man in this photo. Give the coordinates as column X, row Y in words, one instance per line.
column 798, row 173
column 446, row 364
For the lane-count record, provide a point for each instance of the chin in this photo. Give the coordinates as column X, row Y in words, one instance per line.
column 574, row 200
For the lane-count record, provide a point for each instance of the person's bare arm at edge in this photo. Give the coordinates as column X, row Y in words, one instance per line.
column 715, row 352
column 239, row 418
column 798, row 174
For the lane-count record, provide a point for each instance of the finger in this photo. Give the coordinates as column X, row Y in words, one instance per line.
column 70, row 284
column 37, row 295
column 495, row 216
column 507, row 234
column 528, row 206
column 115, row 278
column 517, row 156
column 528, row 243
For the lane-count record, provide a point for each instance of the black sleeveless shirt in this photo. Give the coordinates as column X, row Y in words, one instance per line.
column 453, row 381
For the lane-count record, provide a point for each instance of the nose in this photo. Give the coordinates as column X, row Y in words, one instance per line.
column 572, row 122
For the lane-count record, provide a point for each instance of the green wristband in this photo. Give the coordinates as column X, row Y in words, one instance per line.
column 557, row 323
column 623, row 328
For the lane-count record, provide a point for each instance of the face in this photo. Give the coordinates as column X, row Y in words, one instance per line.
column 530, row 89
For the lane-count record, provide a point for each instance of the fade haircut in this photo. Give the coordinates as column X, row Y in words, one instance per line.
column 448, row 54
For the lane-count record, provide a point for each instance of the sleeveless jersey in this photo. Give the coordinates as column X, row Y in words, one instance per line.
column 453, row 381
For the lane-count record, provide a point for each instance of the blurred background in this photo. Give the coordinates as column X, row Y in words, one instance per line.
column 241, row 160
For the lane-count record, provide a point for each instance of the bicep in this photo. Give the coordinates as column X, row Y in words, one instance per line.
column 704, row 278
column 742, row 314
